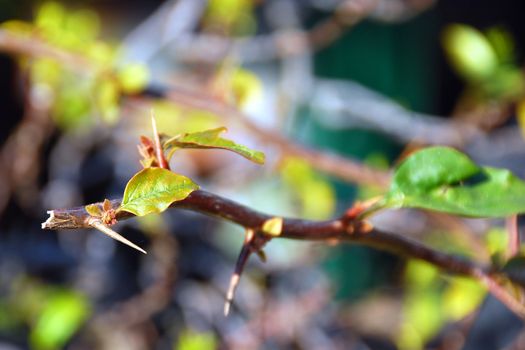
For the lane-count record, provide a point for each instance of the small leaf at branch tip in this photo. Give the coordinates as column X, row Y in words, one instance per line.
column 273, row 226
column 93, row 210
column 116, row 236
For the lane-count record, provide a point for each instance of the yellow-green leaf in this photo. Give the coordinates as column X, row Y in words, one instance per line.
column 152, row 190
column 469, row 52
column 94, row 210
column 64, row 312
column 211, row 139
column 191, row 340
column 133, row 78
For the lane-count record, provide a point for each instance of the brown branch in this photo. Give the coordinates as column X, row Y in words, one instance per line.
column 340, row 229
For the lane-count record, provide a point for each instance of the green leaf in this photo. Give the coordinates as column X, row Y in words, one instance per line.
column 443, row 179
column 63, row 314
column 315, row 195
column 152, row 190
column 211, row 139
column 469, row 51
column 191, row 340
column 432, row 167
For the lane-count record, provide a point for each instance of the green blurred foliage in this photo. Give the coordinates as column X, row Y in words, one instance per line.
column 64, row 312
column 191, row 340
column 133, row 78
column 315, row 195
column 497, row 242
column 52, row 313
column 431, row 301
column 232, row 16
column 77, row 101
column 236, row 85
column 485, row 61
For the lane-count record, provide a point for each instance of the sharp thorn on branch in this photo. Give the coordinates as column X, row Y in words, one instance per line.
column 244, row 254
column 116, row 236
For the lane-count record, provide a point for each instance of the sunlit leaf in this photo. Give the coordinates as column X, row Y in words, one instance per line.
column 422, row 319
column 101, row 52
column 50, row 17
column 461, row 297
column 245, row 85
column 234, row 15
column 72, row 107
column 497, row 242
column 419, row 274
column 211, row 139
column 443, row 179
column 191, row 340
column 152, row 190
column 315, row 194
column 235, row 85
column 469, row 52
column 83, row 24
column 502, row 43
column 107, row 96
column 133, row 77
column 64, row 312
column 17, row 27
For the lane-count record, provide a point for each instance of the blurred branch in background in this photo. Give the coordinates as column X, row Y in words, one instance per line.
column 332, row 164
column 346, row 105
column 205, row 48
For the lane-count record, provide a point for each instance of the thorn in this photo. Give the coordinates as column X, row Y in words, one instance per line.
column 234, row 282
column 163, row 163
column 116, row 236
column 236, row 276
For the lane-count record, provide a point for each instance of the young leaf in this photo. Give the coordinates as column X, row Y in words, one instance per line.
column 443, row 179
column 211, row 139
column 152, row 190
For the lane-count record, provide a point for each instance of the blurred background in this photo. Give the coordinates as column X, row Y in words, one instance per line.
column 341, row 81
